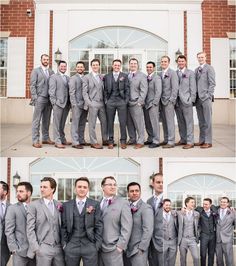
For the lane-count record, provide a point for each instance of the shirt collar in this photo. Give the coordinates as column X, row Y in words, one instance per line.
column 135, row 202
column 44, row 68
column 150, row 75
column 159, row 196
column 116, row 73
column 182, row 70
column 46, row 201
column 95, row 74
column 164, row 71
column 4, row 202
column 83, row 200
column 202, row 66
column 61, row 73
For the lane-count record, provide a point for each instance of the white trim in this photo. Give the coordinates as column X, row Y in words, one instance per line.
column 231, row 35
column 4, row 34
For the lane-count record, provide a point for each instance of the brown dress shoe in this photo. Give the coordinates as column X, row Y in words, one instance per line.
column 138, row 146
column 78, row 146
column 123, row 146
column 188, row 146
column 168, row 146
column 198, row 144
column 50, row 142
column 85, row 144
column 206, row 146
column 37, row 145
column 110, row 146
column 96, row 146
column 130, row 142
column 60, row 146
column 179, row 143
column 163, row 143
column 67, row 143
column 105, row 143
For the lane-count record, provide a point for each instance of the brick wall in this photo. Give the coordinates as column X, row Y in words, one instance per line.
column 14, row 19
column 218, row 18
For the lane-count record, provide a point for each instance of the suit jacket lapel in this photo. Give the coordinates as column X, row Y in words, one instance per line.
column 44, row 75
column 22, row 208
column 45, row 208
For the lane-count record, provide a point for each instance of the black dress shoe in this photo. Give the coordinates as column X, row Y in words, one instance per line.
column 130, row 142
column 153, row 145
column 147, row 142
column 163, row 143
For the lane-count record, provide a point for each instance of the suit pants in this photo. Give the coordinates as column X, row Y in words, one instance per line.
column 59, row 121
column 154, row 119
column 50, row 256
column 188, row 244
column 131, row 128
column 168, row 122
column 23, row 261
column 112, row 258
column 97, row 110
column 79, row 117
column 207, row 245
column 121, row 108
column 138, row 259
column 42, row 111
column 148, row 124
column 155, row 257
column 224, row 250
column 4, row 252
column 137, row 116
column 170, row 251
column 184, row 116
column 204, row 114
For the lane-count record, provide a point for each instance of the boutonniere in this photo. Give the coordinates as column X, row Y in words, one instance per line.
column 90, row 209
column 101, row 77
column 174, row 213
column 200, row 70
column 228, row 212
column 215, row 215
column 184, row 76
column 166, row 76
column 149, row 78
column 134, row 210
column 59, row 207
column 110, row 201
column 121, row 78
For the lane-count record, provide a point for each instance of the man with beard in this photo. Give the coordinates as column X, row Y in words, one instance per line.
column 40, row 100
column 15, row 228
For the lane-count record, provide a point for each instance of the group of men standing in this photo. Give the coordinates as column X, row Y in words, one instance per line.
column 139, row 100
column 112, row 231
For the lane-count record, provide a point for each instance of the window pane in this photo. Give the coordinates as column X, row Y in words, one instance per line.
column 3, row 67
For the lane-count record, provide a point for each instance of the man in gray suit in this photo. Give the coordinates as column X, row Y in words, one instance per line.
column 155, row 257
column 79, row 115
column 4, row 204
column 224, row 233
column 59, row 97
column 116, row 95
column 81, row 227
column 138, row 92
column 169, row 95
column 137, row 250
column 170, row 228
column 188, row 236
column 15, row 228
column 94, row 102
column 43, row 226
column 40, row 100
column 117, row 223
column 205, row 79
column 151, row 110
column 184, row 104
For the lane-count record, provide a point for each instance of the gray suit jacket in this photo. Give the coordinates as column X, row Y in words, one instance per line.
column 225, row 227
column 187, row 87
column 142, row 229
column 138, row 89
column 170, row 87
column 59, row 90
column 15, row 230
column 117, row 222
column 205, row 80
column 39, row 84
column 4, row 250
column 38, row 224
column 91, row 88
column 181, row 225
column 93, row 222
column 158, row 237
column 76, row 91
column 154, row 91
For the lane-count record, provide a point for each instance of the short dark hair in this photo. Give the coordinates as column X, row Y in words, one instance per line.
column 133, row 184
column 27, row 186
column 156, row 174
column 62, row 62
column 187, row 200
column 116, row 60
column 80, row 62
column 166, row 200
column 182, row 56
column 46, row 55
column 208, row 199
column 225, row 198
column 105, row 179
column 83, row 178
column 133, row 59
column 166, row 56
column 52, row 181
column 151, row 62
column 95, row 60
column 5, row 186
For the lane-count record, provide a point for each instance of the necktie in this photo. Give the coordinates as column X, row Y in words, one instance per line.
column 46, row 73
column 1, row 211
column 104, row 204
column 81, row 205
column 167, row 217
column 222, row 211
column 64, row 78
column 116, row 76
column 97, row 78
column 50, row 207
column 26, row 207
column 156, row 202
column 180, row 75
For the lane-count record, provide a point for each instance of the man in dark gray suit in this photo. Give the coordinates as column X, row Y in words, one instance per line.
column 117, row 223
column 137, row 250
column 151, row 109
column 188, row 236
column 81, row 227
column 43, row 226
column 207, row 226
column 169, row 95
column 79, row 115
column 205, row 79
column 40, row 100
column 226, row 221
column 15, row 227
column 155, row 256
column 170, row 228
column 138, row 92
column 59, row 97
column 93, row 91
column 184, row 104
column 4, row 204
column 116, row 96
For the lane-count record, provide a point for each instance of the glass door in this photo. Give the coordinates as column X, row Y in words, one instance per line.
column 125, row 54
column 106, row 56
